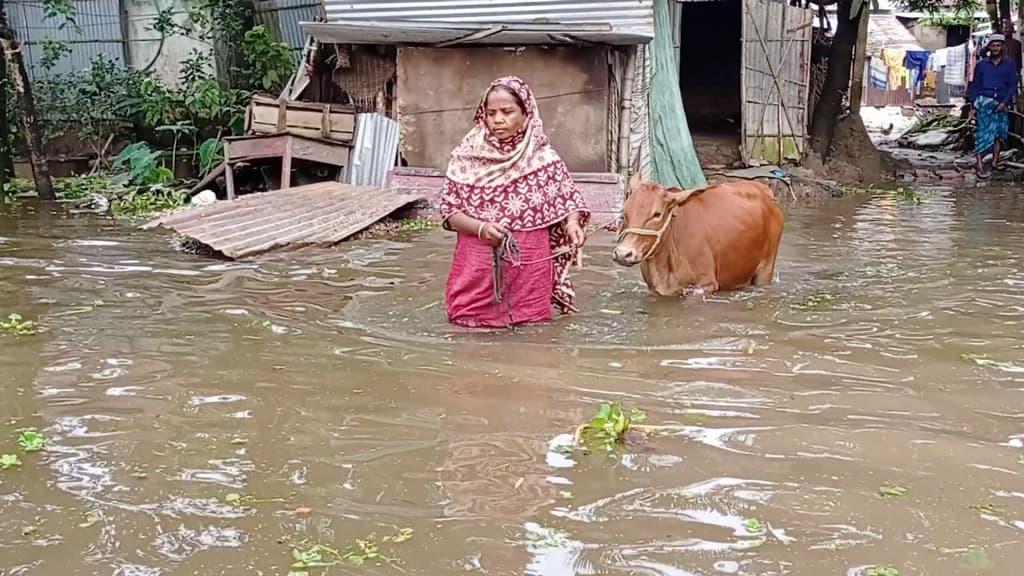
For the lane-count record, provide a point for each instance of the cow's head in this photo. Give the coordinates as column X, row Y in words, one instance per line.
column 647, row 216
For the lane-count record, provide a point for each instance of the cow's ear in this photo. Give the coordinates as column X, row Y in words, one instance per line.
column 635, row 181
column 678, row 196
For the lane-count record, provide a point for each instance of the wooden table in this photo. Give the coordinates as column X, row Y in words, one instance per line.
column 283, row 145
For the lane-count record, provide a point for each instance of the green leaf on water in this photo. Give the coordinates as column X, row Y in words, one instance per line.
column 882, row 571
column 817, row 301
column 610, row 423
column 976, row 559
column 29, row 530
column 753, row 525
column 403, row 535
column 986, row 360
column 30, row 440
column 298, row 573
column 566, row 495
column 90, row 519
column 1020, row 459
column 892, row 491
column 233, row 499
column 16, row 326
column 9, row 460
column 989, row 508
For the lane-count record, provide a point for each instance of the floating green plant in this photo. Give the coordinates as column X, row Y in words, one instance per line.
column 15, row 325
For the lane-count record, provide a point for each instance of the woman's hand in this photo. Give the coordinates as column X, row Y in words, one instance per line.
column 491, row 233
column 575, row 232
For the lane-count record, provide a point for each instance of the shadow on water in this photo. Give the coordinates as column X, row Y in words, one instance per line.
column 206, row 417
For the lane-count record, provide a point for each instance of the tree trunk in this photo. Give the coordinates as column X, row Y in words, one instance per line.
column 1004, row 13
column 33, row 133
column 837, row 81
column 992, row 7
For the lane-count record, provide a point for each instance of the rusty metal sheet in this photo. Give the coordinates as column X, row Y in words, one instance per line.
column 316, row 214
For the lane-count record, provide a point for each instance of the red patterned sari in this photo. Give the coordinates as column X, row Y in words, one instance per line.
column 522, row 184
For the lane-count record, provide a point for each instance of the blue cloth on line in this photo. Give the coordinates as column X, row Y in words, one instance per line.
column 917, row 62
column 992, row 125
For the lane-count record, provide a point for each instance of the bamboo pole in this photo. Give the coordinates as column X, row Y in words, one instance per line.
column 6, row 152
column 15, row 64
column 626, row 110
column 5, row 135
column 859, row 53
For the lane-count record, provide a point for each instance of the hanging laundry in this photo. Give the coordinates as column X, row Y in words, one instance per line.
column 956, row 65
column 878, row 74
column 939, row 60
column 898, row 74
column 972, row 60
column 917, row 62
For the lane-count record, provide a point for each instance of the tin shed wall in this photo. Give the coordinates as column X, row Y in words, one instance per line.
column 439, row 88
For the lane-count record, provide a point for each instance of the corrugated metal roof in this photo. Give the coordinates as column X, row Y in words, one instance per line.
column 619, row 13
column 458, row 34
column 622, row 21
column 885, row 31
column 374, row 150
column 318, row 214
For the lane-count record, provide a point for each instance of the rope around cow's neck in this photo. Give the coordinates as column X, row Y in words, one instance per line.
column 658, row 234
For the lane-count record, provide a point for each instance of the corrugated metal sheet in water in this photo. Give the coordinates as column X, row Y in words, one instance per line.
column 374, row 150
column 318, row 214
column 621, row 14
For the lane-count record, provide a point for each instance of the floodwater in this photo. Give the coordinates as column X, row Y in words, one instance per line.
column 327, row 386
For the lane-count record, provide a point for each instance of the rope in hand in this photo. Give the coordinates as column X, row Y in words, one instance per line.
column 508, row 251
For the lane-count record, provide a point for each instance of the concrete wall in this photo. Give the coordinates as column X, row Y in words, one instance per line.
column 439, row 88
column 144, row 43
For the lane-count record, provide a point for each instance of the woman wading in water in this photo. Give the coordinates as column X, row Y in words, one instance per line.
column 518, row 214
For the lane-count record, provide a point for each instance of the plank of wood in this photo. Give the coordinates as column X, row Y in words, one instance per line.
column 340, row 122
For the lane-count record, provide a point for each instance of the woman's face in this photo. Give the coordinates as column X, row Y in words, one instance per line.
column 504, row 114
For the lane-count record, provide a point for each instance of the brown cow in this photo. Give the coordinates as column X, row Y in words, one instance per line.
column 722, row 237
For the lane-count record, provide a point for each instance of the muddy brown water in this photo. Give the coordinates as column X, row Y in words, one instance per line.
column 329, row 379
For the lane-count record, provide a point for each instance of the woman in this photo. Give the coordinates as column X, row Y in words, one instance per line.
column 518, row 214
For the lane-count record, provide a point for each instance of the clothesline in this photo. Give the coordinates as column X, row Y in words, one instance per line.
column 912, row 70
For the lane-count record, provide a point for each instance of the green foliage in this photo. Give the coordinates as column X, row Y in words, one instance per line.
column 53, row 51
column 268, row 62
column 211, row 155
column 143, row 167
column 888, row 491
column 610, row 423
column 142, row 201
column 30, row 440
column 936, row 7
column 9, row 461
column 16, row 326
column 109, row 99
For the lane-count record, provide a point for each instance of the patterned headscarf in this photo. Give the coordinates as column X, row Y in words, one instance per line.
column 520, row 183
